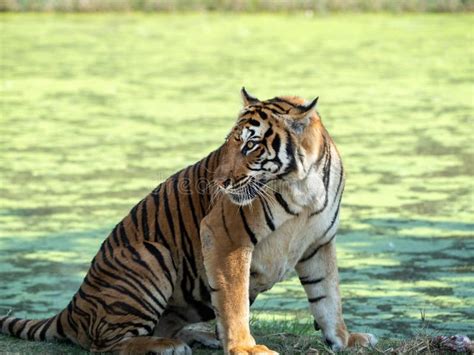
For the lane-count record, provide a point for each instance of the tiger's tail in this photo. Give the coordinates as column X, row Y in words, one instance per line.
column 34, row 329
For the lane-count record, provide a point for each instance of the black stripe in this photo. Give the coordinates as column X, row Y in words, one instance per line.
column 201, row 194
column 191, row 204
column 267, row 206
column 108, row 263
column 129, row 275
column 72, row 323
column 187, row 285
column 279, row 99
column 109, row 247
column 34, row 328
column 276, row 143
column 279, row 107
column 186, row 242
column 70, row 320
column 159, row 257
column 145, row 228
column 114, row 236
column 91, row 275
column 206, row 165
column 327, row 169
column 247, row 228
column 326, row 178
column 268, row 219
column 290, row 153
column 90, row 299
column 11, row 325
column 311, row 281
column 269, row 131
column 253, row 122
column 123, row 234
column 316, row 299
column 313, row 253
column 133, row 214
column 42, row 335
column 20, row 330
column 59, row 326
column 333, row 220
column 134, row 296
column 129, row 309
column 169, row 217
column 263, row 115
column 283, row 204
column 136, row 257
column 134, row 276
column 158, row 232
column 341, row 178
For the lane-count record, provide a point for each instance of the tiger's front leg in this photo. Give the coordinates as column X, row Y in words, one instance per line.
column 227, row 257
column 317, row 271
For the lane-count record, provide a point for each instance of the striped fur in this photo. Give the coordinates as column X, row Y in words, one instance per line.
column 210, row 238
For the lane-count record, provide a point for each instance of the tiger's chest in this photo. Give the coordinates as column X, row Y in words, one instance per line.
column 276, row 256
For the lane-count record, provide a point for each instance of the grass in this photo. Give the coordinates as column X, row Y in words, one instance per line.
column 287, row 337
column 320, row 6
column 97, row 109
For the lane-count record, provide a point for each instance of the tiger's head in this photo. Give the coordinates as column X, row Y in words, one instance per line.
column 275, row 139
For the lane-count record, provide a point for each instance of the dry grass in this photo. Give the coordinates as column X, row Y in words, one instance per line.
column 423, row 344
column 320, row 6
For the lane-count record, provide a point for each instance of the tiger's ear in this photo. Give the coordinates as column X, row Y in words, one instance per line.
column 247, row 98
column 301, row 115
column 304, row 109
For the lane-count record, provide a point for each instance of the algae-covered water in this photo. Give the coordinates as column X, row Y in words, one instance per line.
column 96, row 110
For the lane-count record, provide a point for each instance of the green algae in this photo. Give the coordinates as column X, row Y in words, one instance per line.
column 96, row 110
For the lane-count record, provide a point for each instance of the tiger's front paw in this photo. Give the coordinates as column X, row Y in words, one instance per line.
column 352, row 340
column 362, row 339
column 252, row 350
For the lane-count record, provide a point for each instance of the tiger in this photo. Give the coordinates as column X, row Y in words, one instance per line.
column 209, row 239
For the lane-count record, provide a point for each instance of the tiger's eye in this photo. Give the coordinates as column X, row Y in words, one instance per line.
column 250, row 145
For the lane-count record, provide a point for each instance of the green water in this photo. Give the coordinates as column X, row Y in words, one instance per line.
column 96, row 110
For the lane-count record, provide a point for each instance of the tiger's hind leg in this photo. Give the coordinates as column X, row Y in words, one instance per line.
column 199, row 334
column 123, row 297
column 153, row 345
column 175, row 325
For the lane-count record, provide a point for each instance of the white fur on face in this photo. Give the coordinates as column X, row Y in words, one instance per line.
column 272, row 162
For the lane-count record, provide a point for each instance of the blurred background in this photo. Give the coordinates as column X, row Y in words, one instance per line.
column 101, row 100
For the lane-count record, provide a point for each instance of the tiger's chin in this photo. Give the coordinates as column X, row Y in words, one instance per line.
column 241, row 200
